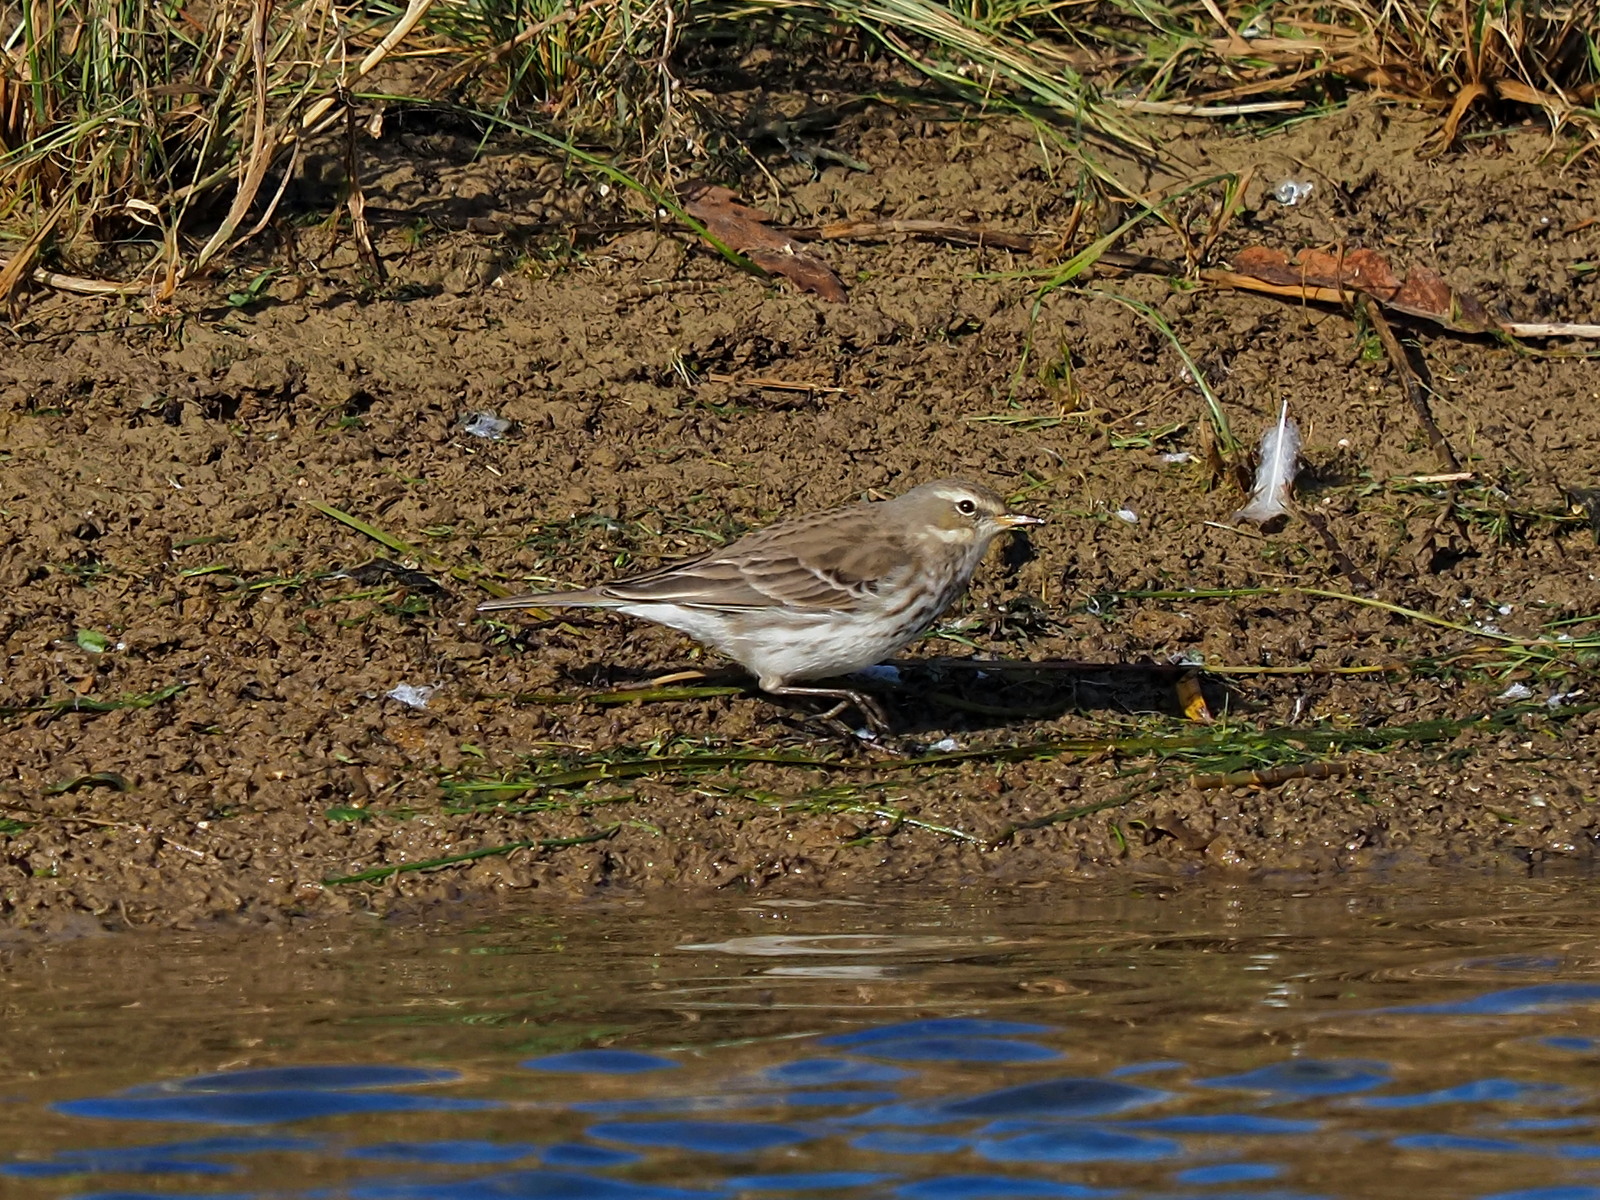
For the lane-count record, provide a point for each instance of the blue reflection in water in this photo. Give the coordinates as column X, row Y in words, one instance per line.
column 256, row 1108
column 1054, row 1097
column 810, row 1072
column 996, row 1187
column 1073, row 1144
column 822, row 1098
column 1456, row 1143
column 1541, row 997
column 708, row 1137
column 317, row 1078
column 814, row 1181
column 950, row 1027
column 1145, row 1068
column 525, row 1185
column 276, row 1094
column 1307, row 1077
column 578, row 1154
column 1477, row 1092
column 1225, row 1125
column 1071, row 1097
column 192, row 1156
column 960, row 1049
column 605, row 1062
column 899, row 1141
column 463, row 1152
column 1228, row 1173
column 1544, row 1124
column 983, row 1117
column 136, row 1161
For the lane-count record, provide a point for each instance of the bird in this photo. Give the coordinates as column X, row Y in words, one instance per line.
column 817, row 596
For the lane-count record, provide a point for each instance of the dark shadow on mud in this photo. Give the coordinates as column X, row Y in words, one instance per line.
column 943, row 696
column 965, row 694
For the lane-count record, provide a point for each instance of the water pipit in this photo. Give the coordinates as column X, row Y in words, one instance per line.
column 818, row 596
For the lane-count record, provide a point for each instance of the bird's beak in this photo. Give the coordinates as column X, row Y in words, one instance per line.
column 1015, row 520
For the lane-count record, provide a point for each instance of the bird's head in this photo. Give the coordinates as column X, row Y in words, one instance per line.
column 959, row 513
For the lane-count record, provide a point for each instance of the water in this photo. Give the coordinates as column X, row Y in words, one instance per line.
column 1431, row 1038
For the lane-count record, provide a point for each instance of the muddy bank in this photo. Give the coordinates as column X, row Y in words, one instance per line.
column 199, row 660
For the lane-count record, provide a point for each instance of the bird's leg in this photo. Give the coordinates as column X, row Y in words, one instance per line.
column 877, row 719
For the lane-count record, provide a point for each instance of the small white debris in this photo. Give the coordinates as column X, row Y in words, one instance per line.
column 1561, row 698
column 1291, row 191
column 1128, row 515
column 882, row 673
column 604, row 189
column 411, row 695
column 1504, row 610
column 1515, row 693
column 484, row 425
column 944, row 746
column 1177, row 456
column 865, row 734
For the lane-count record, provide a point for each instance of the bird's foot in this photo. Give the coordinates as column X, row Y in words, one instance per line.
column 871, row 711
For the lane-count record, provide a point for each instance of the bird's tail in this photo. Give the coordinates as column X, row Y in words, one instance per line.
column 588, row 598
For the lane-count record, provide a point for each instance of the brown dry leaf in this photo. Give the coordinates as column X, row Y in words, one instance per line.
column 1465, row 99
column 1422, row 293
column 745, row 231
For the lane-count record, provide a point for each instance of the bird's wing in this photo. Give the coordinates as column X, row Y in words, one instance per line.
column 836, row 564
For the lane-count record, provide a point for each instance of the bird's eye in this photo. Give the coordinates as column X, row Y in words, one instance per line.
column 966, row 507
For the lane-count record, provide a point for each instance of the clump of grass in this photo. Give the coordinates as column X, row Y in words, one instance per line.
column 124, row 114
column 1457, row 58
column 182, row 123
column 600, row 67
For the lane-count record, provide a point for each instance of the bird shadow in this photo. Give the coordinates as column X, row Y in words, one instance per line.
column 949, row 695
column 925, row 696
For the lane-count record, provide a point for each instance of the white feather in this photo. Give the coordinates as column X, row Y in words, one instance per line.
column 1280, row 463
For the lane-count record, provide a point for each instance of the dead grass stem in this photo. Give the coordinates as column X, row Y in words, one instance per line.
column 175, row 128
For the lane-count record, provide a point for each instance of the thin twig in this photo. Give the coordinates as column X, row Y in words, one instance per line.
column 1410, row 383
column 1169, row 108
column 1548, row 329
column 777, row 385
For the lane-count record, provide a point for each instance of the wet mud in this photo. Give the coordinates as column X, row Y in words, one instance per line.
column 199, row 661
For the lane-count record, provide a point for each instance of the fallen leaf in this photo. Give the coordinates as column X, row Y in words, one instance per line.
column 1422, row 293
column 745, row 231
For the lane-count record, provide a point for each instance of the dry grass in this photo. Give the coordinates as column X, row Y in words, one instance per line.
column 1457, row 58
column 173, row 128
column 596, row 67
column 124, row 116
